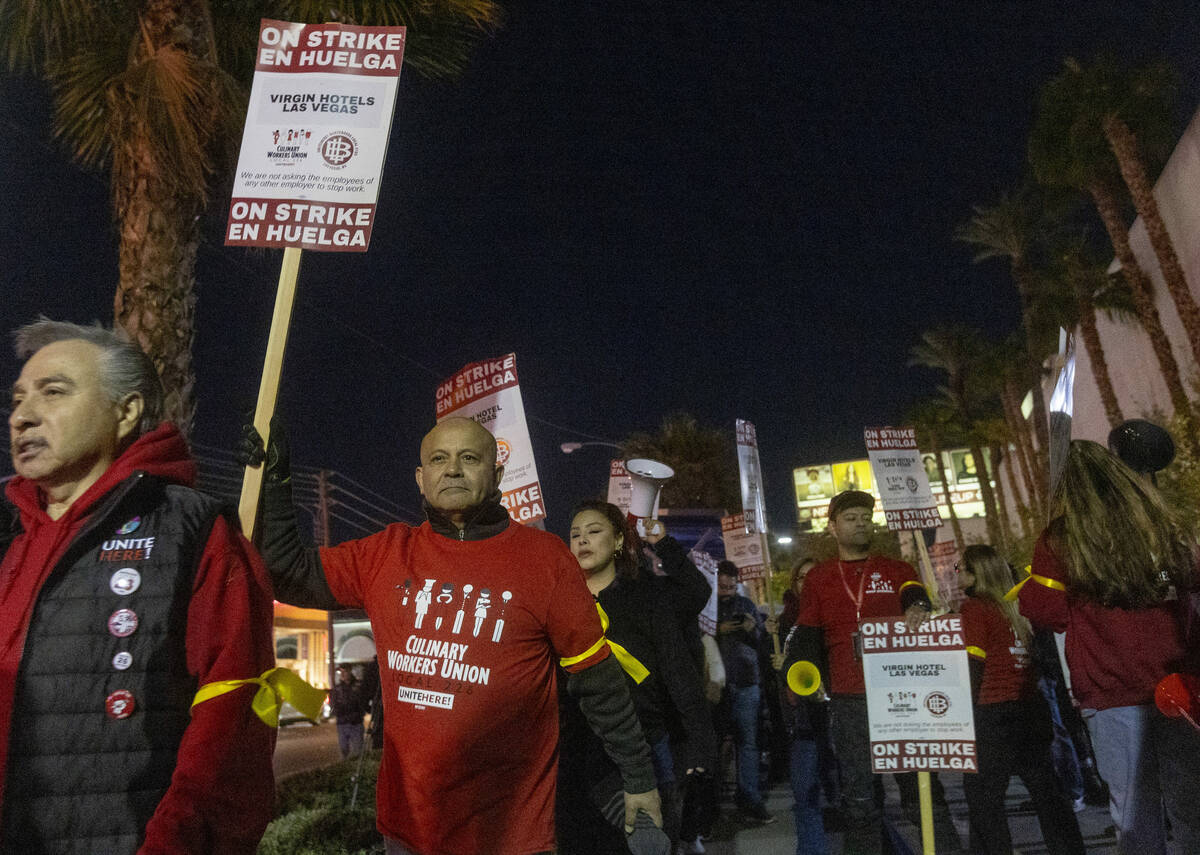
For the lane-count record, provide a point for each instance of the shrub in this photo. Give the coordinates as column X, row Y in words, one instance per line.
column 313, row 814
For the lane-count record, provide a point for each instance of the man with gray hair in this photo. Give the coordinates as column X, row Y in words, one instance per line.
column 122, row 591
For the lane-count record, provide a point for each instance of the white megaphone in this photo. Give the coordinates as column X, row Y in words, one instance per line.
column 647, row 476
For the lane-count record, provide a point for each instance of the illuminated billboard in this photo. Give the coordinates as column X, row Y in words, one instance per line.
column 817, row 483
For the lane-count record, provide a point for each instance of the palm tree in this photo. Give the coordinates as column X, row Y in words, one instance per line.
column 958, row 351
column 1067, row 149
column 1010, row 229
column 1010, row 364
column 1131, row 110
column 1025, row 513
column 1092, row 287
column 704, row 459
column 155, row 90
column 934, row 424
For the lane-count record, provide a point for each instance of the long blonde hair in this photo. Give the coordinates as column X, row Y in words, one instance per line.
column 994, row 579
column 1122, row 545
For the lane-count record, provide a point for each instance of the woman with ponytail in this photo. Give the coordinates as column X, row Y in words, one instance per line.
column 1116, row 571
column 1012, row 723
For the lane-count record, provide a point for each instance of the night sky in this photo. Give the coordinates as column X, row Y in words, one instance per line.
column 735, row 210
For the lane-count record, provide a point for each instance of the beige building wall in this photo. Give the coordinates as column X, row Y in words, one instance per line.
column 1136, row 377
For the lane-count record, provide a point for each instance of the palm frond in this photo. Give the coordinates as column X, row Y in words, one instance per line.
column 1114, row 298
column 441, row 33
column 82, row 109
column 1008, row 229
column 35, row 33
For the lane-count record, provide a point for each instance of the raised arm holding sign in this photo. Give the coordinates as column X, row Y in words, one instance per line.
column 308, row 172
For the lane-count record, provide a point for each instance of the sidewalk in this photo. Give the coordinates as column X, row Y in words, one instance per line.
column 778, row 838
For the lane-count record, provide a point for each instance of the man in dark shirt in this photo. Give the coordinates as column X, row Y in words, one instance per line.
column 739, row 636
column 349, row 705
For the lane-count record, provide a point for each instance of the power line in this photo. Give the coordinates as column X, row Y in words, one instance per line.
column 343, row 476
column 352, row 523
column 212, row 449
column 394, row 510
column 379, row 524
column 571, row 430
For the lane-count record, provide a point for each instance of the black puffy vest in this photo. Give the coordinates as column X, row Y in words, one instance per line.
column 86, row 769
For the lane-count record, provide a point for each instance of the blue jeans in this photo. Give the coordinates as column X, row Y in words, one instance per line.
column 804, row 769
column 1062, row 749
column 350, row 738
column 743, row 708
column 664, row 772
column 1149, row 763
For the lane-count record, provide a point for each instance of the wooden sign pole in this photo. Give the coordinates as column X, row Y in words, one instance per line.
column 770, row 570
column 268, row 388
column 924, row 791
column 928, row 577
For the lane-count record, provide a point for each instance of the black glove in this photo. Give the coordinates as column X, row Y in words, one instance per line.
column 249, row 451
column 295, row 569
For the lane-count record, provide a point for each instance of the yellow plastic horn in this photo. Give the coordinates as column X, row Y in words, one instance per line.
column 803, row 678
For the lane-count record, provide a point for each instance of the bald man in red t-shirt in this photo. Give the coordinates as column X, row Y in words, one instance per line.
column 471, row 613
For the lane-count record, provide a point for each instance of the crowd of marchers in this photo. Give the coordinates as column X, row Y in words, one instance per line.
column 537, row 696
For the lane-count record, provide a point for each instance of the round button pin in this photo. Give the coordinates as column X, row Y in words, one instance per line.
column 119, row 704
column 125, row 581
column 122, row 660
column 122, row 623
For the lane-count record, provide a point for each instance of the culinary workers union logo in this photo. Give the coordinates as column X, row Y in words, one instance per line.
column 338, row 148
column 937, row 704
column 503, row 450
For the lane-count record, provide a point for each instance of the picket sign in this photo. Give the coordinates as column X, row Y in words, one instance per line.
column 309, row 169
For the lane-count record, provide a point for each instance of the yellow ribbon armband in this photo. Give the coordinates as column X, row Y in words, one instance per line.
column 276, row 687
column 568, row 661
column 977, row 652
column 1052, row 584
column 625, row 659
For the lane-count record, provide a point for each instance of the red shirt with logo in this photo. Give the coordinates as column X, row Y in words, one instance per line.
column 828, row 601
column 468, row 635
column 1007, row 669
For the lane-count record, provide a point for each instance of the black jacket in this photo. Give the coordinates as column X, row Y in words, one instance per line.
column 670, row 701
column 687, row 592
column 119, row 768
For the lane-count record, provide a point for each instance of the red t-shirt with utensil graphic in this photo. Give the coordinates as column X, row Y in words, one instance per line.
column 828, row 602
column 468, row 635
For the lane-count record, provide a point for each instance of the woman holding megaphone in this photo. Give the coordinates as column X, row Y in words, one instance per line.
column 1012, row 723
column 1116, row 571
column 644, row 635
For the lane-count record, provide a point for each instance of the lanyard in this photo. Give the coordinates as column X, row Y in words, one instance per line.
column 861, row 581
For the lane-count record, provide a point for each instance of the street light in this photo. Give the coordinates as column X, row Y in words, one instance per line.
column 783, row 540
column 568, row 447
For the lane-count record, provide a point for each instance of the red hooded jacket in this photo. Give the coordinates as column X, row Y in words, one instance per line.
column 222, row 792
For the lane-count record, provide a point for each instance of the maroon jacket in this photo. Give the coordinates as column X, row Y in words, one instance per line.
column 1116, row 656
